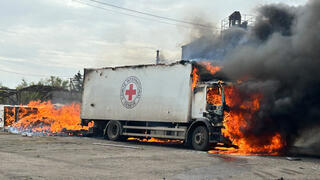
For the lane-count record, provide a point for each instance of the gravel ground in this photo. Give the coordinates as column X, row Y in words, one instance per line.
column 87, row 158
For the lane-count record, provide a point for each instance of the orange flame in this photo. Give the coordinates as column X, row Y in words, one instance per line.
column 212, row 69
column 236, row 123
column 195, row 72
column 45, row 117
column 213, row 96
column 195, row 77
column 9, row 116
column 151, row 140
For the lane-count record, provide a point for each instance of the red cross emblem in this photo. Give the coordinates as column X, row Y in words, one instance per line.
column 130, row 92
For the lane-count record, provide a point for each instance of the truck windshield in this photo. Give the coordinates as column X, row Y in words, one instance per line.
column 214, row 96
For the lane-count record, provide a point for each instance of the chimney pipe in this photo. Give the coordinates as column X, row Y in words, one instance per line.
column 158, row 58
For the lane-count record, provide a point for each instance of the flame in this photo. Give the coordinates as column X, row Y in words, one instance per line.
column 213, row 97
column 195, row 72
column 46, row 118
column 236, row 123
column 240, row 120
column 212, row 69
column 10, row 116
column 195, row 77
column 151, row 140
column 242, row 111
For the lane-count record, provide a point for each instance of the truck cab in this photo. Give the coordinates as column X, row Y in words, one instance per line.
column 208, row 106
column 209, row 102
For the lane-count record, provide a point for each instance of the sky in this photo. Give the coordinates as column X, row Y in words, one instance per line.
column 42, row 38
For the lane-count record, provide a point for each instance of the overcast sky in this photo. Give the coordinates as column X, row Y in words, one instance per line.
column 39, row 38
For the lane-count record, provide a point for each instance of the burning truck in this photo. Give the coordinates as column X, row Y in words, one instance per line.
column 154, row 101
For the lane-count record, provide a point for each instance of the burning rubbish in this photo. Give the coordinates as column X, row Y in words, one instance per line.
column 44, row 118
column 10, row 116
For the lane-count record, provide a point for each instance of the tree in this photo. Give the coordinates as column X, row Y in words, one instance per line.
column 77, row 82
column 38, row 90
column 22, row 84
column 55, row 81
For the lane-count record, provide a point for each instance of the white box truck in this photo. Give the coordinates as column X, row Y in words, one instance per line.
column 152, row 101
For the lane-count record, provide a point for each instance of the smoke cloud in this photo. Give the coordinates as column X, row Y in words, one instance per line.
column 280, row 58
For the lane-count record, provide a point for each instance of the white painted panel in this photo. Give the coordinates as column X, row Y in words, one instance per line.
column 1, row 116
column 161, row 93
column 199, row 101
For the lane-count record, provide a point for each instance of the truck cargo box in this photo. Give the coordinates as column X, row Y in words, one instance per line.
column 138, row 93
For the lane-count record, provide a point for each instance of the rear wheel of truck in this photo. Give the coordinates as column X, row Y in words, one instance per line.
column 113, row 130
column 200, row 138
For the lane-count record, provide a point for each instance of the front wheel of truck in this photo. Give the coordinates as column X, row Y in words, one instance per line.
column 113, row 130
column 200, row 138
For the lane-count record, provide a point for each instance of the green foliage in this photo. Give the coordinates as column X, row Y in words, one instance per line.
column 52, row 81
column 56, row 82
column 77, row 82
column 22, row 84
column 26, row 96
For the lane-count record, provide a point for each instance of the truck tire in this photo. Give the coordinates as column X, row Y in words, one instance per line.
column 200, row 138
column 113, row 130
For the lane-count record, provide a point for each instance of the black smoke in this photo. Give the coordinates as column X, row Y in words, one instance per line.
column 213, row 46
column 274, row 18
column 281, row 60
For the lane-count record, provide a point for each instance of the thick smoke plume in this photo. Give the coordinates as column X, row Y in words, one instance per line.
column 280, row 58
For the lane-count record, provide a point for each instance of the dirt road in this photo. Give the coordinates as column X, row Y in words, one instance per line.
column 82, row 158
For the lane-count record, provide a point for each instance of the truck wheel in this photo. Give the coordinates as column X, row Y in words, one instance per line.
column 113, row 130
column 200, row 138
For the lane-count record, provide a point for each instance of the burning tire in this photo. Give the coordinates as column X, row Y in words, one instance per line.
column 200, row 138
column 113, row 130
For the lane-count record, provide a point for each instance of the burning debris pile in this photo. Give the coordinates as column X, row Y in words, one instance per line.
column 275, row 95
column 44, row 118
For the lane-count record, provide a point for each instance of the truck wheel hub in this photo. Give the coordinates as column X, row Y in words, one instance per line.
column 199, row 138
column 114, row 130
